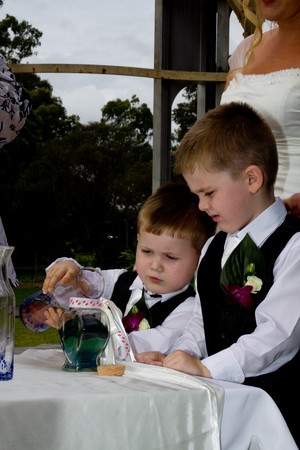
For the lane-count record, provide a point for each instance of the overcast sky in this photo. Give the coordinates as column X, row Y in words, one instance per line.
column 107, row 32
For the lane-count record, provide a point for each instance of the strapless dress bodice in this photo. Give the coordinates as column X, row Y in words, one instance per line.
column 276, row 96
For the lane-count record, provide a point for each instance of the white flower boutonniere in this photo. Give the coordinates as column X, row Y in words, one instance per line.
column 144, row 325
column 255, row 282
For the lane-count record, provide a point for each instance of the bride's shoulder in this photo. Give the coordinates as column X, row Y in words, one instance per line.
column 237, row 58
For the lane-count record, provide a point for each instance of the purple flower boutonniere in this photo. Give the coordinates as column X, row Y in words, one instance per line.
column 136, row 318
column 243, row 273
column 135, row 322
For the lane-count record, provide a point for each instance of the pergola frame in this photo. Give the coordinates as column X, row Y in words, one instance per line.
column 191, row 46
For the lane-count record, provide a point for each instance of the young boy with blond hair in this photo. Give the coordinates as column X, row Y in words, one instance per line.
column 247, row 326
column 171, row 232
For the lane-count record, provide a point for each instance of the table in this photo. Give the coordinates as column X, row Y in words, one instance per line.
column 46, row 408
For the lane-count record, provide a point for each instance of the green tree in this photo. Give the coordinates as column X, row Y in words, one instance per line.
column 18, row 39
column 47, row 121
column 90, row 184
column 66, row 187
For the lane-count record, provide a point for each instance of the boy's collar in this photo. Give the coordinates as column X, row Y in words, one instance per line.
column 265, row 223
column 137, row 284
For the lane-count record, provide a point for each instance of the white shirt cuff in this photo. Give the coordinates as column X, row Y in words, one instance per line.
column 224, row 366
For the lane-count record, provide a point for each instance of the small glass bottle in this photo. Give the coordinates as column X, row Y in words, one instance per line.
column 84, row 333
column 89, row 283
column 32, row 311
column 7, row 317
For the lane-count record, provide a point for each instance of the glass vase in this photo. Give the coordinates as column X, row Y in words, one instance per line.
column 84, row 333
column 7, row 317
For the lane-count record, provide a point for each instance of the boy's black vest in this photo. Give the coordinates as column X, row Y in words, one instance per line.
column 160, row 311
column 224, row 323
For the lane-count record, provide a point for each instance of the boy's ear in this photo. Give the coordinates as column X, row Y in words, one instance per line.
column 255, row 178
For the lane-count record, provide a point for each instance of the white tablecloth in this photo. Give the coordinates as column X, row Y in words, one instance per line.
column 45, row 408
column 252, row 421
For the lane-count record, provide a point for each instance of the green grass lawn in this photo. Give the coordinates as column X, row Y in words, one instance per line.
column 23, row 336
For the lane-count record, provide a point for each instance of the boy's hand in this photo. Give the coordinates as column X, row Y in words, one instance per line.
column 52, row 317
column 184, row 362
column 64, row 272
column 154, row 358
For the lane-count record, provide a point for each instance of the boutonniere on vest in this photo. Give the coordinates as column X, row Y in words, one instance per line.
column 138, row 318
column 243, row 273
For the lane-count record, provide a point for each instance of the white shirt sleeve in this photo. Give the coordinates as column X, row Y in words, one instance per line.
column 192, row 339
column 106, row 280
column 163, row 336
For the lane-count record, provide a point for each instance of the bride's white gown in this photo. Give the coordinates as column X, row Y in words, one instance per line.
column 276, row 96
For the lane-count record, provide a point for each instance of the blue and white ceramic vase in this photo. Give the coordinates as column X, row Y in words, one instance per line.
column 7, row 317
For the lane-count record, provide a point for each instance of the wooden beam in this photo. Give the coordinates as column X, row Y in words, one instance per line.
column 236, row 6
column 97, row 69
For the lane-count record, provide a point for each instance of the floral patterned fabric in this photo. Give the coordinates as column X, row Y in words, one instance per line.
column 14, row 105
column 14, row 109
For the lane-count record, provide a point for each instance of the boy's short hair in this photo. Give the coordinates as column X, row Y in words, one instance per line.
column 173, row 209
column 230, row 138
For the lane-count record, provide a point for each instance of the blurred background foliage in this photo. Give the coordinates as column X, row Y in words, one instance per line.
column 69, row 189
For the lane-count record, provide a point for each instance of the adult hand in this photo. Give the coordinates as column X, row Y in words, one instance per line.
column 292, row 204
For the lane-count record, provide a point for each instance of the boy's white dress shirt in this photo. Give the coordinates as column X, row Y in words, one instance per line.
column 276, row 338
column 160, row 338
